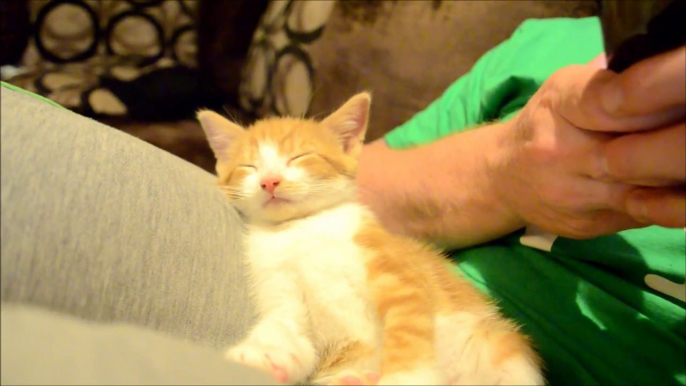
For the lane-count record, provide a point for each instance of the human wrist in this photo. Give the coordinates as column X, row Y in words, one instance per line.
column 498, row 165
column 447, row 191
column 374, row 169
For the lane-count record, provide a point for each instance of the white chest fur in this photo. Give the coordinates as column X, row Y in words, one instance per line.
column 314, row 263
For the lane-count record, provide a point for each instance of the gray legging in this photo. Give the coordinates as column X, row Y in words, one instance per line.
column 98, row 226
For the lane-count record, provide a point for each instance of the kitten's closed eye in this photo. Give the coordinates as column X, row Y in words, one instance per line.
column 289, row 161
column 300, row 156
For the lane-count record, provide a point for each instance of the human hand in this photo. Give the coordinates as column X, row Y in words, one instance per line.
column 595, row 152
column 653, row 161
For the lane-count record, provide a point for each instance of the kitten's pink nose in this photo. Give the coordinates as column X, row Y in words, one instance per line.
column 269, row 184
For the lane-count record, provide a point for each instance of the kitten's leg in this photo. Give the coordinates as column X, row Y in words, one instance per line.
column 485, row 349
column 281, row 350
column 349, row 364
column 408, row 351
column 279, row 343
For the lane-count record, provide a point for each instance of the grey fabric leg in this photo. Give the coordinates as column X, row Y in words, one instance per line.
column 99, row 224
column 45, row 348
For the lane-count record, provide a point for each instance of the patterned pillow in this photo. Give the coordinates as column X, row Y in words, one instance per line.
column 78, row 43
column 278, row 78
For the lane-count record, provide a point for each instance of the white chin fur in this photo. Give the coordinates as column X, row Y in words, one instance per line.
column 255, row 211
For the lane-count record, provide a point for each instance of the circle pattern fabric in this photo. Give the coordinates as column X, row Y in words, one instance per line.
column 278, row 78
column 77, row 42
column 69, row 31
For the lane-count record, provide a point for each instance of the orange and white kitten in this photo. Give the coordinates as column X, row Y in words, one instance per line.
column 338, row 296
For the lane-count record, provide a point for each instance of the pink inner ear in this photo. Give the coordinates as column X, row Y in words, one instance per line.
column 354, row 126
column 350, row 141
column 219, row 131
column 349, row 122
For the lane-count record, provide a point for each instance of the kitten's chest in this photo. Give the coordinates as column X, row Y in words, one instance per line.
column 319, row 252
column 320, row 260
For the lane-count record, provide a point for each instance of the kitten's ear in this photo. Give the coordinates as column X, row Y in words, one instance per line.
column 350, row 121
column 220, row 132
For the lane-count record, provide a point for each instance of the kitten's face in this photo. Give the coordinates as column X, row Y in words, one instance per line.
column 285, row 168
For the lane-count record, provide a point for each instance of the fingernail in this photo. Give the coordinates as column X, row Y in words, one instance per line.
column 611, row 98
column 637, row 209
column 599, row 61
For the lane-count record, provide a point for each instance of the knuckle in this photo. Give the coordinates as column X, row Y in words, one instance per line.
column 612, row 168
column 565, row 73
column 563, row 198
column 545, row 152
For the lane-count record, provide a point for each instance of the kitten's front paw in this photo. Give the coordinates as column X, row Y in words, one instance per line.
column 284, row 366
column 419, row 376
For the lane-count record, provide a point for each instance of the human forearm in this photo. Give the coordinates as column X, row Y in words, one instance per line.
column 444, row 191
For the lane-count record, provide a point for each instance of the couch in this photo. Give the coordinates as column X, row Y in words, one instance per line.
column 252, row 58
column 147, row 289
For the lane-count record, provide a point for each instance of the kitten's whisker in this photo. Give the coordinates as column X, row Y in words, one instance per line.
column 233, row 193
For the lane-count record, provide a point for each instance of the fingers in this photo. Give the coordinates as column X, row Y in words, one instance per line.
column 653, row 158
column 605, row 208
column 594, row 224
column 609, row 222
column 648, row 95
column 664, row 207
column 652, row 85
column 599, row 61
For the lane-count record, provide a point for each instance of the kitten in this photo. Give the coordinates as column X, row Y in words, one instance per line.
column 338, row 296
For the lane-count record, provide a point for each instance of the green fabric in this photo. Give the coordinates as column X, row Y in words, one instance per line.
column 585, row 302
column 586, row 306
column 21, row 90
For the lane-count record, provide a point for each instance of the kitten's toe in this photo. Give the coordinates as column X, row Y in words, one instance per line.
column 250, row 356
column 350, row 377
column 283, row 366
column 420, row 376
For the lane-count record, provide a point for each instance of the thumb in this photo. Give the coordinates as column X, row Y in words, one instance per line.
column 648, row 95
column 599, row 61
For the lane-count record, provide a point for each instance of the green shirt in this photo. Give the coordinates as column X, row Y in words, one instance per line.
column 609, row 310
